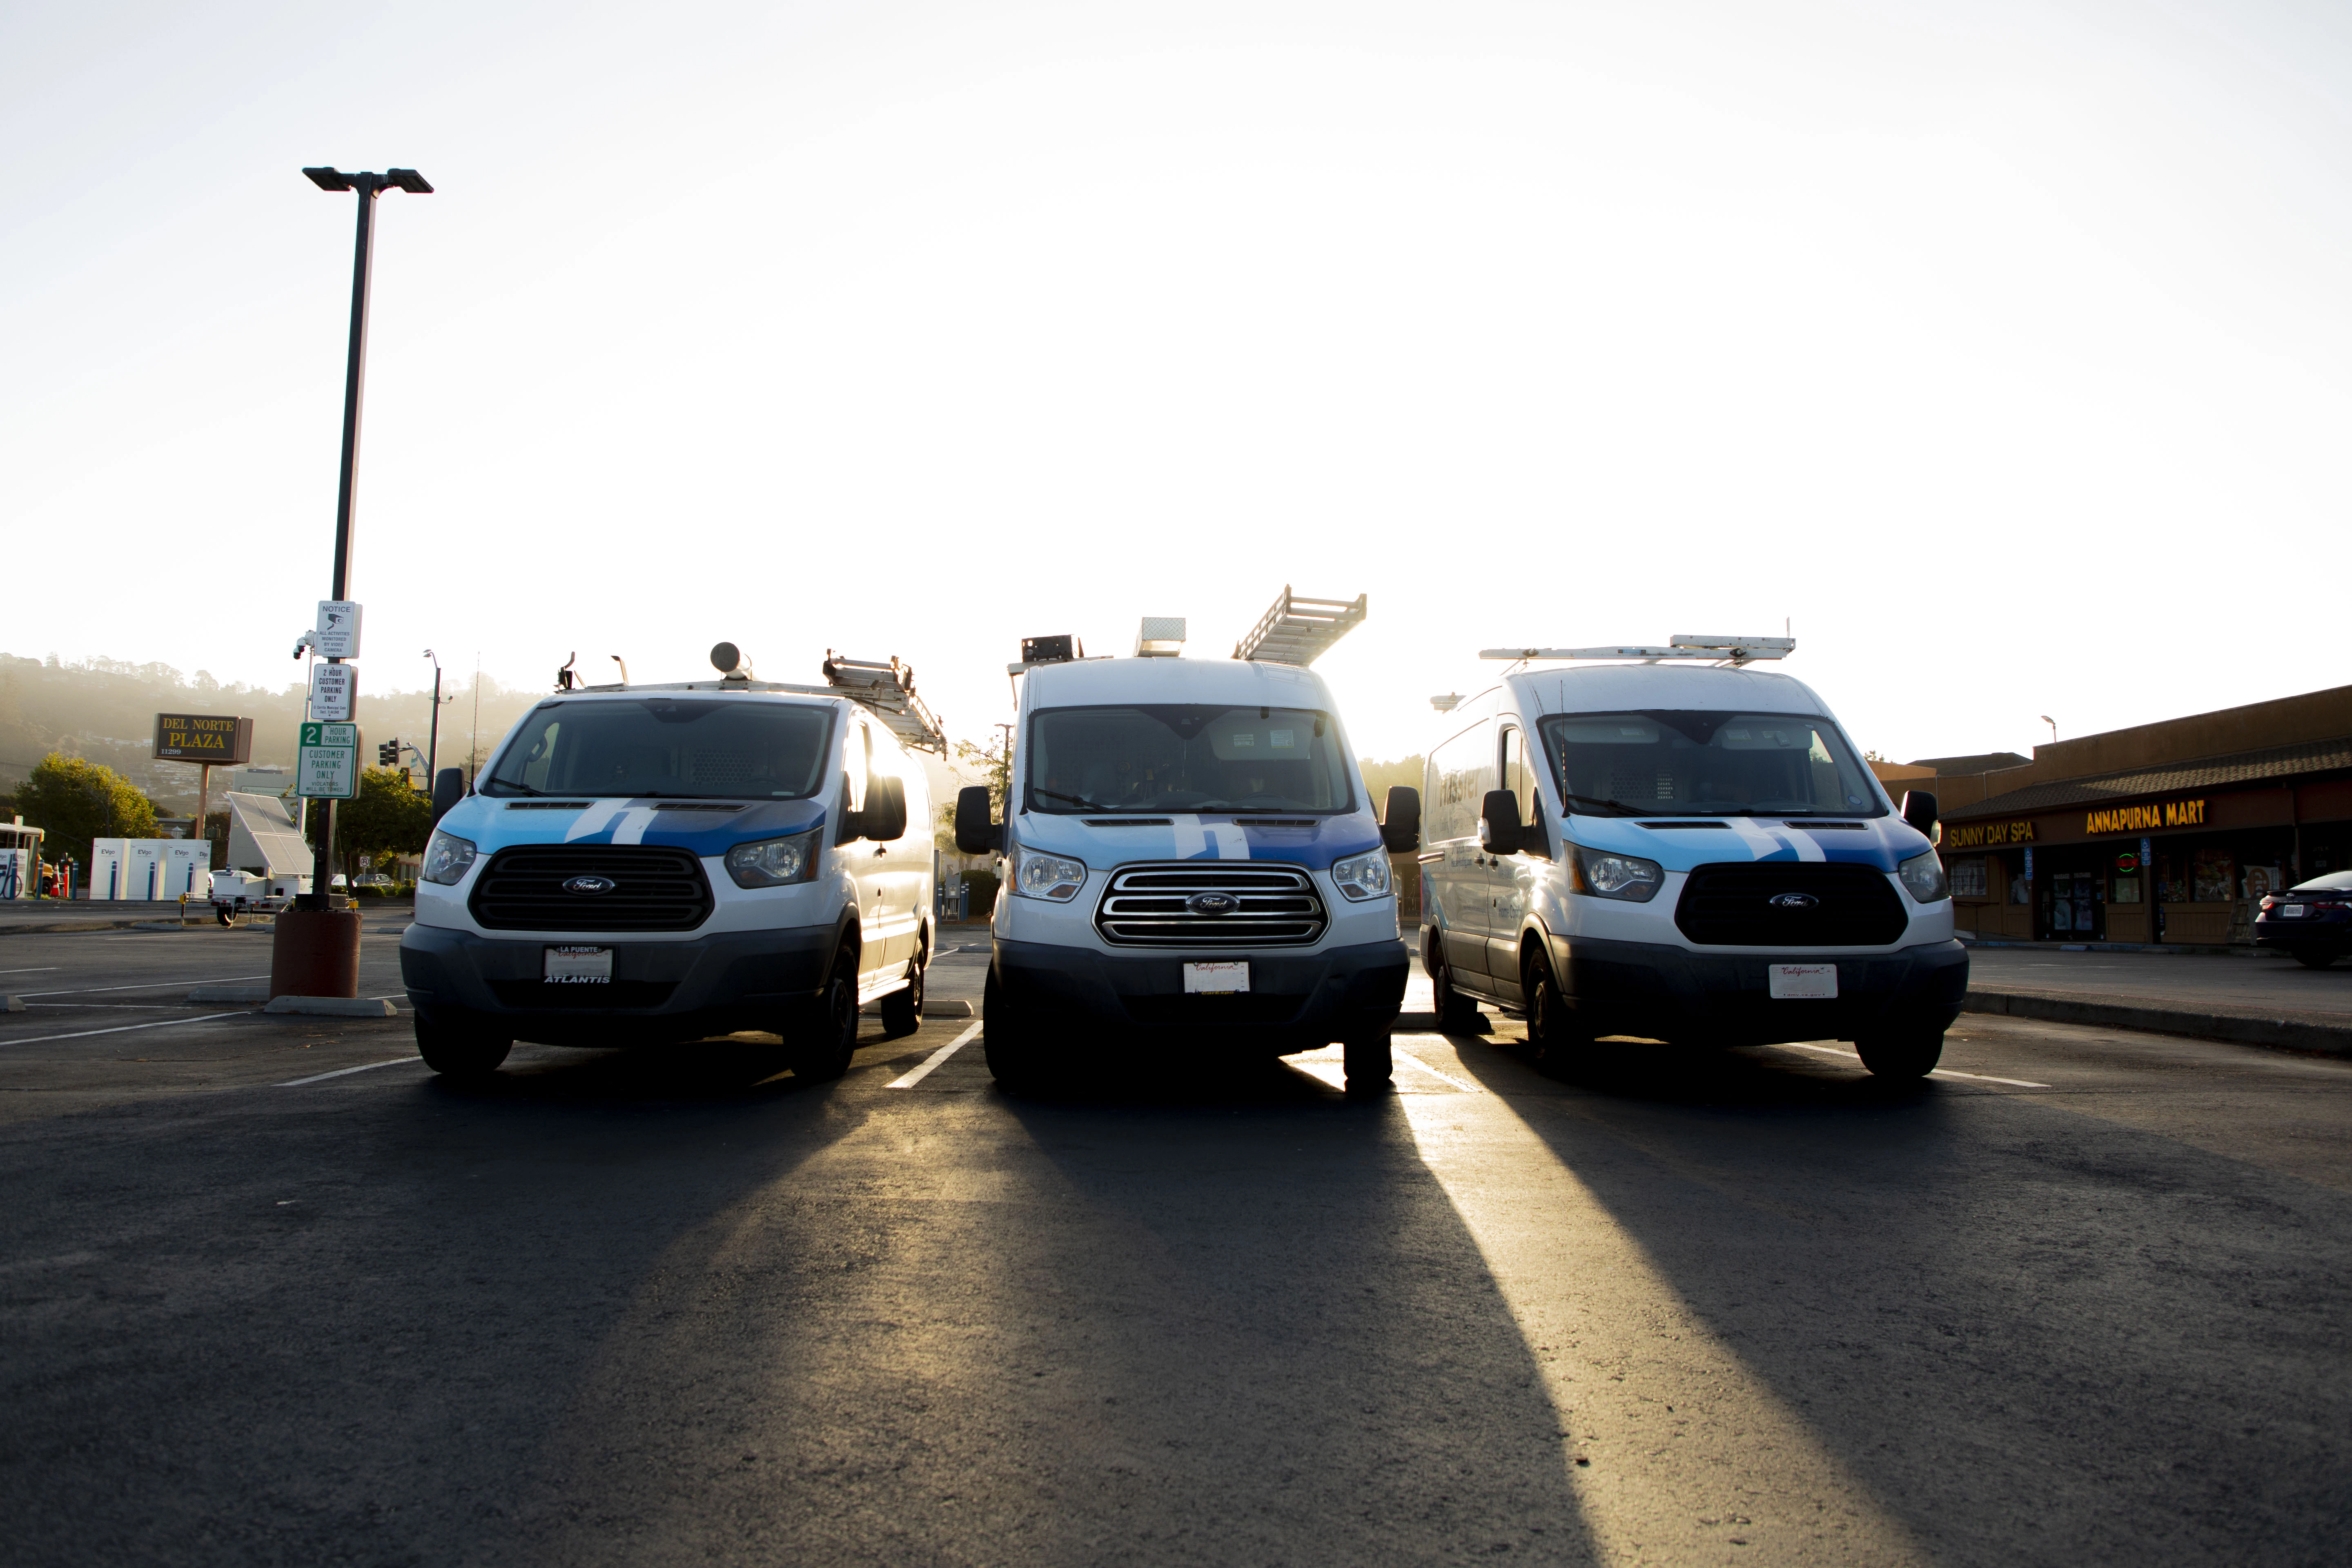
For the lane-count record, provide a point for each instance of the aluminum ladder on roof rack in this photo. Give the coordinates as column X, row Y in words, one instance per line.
column 1300, row 630
column 887, row 692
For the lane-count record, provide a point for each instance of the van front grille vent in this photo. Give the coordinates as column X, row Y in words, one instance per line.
column 1211, row 904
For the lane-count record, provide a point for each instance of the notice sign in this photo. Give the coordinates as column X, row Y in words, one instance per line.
column 337, row 631
column 335, row 691
column 202, row 738
column 327, row 762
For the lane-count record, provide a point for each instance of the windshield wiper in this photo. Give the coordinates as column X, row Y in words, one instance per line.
column 1081, row 802
column 1602, row 807
column 502, row 785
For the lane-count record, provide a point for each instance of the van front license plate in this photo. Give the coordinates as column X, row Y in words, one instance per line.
column 1216, row 979
column 1803, row 982
column 578, row 966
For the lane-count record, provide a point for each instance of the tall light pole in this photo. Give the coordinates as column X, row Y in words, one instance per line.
column 432, row 738
column 368, row 186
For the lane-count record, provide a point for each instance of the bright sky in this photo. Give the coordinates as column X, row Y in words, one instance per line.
column 2004, row 349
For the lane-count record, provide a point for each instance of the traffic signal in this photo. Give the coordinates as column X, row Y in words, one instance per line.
column 387, row 754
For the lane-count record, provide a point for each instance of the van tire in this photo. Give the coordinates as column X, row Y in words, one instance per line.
column 821, row 1046
column 1370, row 1061
column 222, row 913
column 1557, row 1037
column 902, row 1011
column 459, row 1054
column 1019, row 1056
column 1457, row 1014
column 1902, row 1054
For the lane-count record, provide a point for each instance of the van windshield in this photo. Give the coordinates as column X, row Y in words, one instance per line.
column 694, row 749
column 1185, row 758
column 1689, row 763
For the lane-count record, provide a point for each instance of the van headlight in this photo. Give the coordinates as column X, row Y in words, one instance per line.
column 1036, row 875
column 1924, row 875
column 1362, row 876
column 774, row 862
column 1607, row 876
column 446, row 857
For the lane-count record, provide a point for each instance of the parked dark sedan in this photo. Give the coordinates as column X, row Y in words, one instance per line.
column 2312, row 920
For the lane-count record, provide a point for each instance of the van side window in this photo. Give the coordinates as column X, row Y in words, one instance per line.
column 1463, row 769
column 1516, row 776
column 857, row 757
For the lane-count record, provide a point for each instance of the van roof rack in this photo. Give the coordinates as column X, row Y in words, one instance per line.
column 887, row 692
column 1299, row 630
column 1732, row 650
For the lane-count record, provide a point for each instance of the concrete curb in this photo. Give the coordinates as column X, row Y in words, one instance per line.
column 332, row 1007
column 55, row 928
column 2308, row 1032
column 204, row 993
column 11, row 1004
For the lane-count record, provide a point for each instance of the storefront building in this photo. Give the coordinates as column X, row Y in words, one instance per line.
column 2177, row 846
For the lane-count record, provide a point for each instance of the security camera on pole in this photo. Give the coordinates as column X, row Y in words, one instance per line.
column 315, row 950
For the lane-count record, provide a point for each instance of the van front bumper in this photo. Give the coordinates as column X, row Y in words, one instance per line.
column 1295, row 1001
column 1660, row 991
column 660, row 990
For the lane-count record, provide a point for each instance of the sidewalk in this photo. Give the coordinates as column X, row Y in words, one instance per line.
column 2259, row 1000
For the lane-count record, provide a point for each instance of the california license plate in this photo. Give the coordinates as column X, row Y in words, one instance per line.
column 578, row 966
column 1802, row 982
column 1216, row 979
column 2291, row 911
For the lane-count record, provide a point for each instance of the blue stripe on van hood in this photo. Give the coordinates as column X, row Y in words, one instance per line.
column 494, row 825
column 1213, row 836
column 1881, row 843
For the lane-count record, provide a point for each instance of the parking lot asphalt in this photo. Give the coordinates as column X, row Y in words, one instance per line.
column 274, row 1293
column 2264, row 979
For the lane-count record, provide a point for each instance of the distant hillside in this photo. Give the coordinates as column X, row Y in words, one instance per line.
column 105, row 710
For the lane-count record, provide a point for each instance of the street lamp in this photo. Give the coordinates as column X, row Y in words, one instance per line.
column 433, row 740
column 368, row 186
column 2054, row 728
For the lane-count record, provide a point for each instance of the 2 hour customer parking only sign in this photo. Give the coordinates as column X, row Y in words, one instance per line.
column 327, row 762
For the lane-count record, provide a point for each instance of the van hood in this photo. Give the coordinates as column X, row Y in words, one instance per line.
column 706, row 829
column 1880, row 843
column 1312, row 842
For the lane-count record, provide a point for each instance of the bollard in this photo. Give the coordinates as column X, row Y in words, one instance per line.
column 315, row 953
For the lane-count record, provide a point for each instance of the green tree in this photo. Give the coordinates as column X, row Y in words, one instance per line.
column 78, row 800
column 388, row 817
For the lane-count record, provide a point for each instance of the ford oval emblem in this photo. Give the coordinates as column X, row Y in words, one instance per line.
column 1793, row 902
column 1212, row 903
column 590, row 885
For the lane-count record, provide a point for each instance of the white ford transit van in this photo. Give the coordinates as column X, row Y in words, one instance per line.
column 1681, row 848
column 648, row 864
column 1190, row 864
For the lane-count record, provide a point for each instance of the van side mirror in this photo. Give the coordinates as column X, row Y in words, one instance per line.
column 1919, row 810
column 1499, row 829
column 448, row 789
column 885, row 817
column 1401, row 823
column 976, row 829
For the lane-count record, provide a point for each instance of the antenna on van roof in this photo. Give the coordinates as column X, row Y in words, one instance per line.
column 1300, row 630
column 887, row 692
column 1732, row 650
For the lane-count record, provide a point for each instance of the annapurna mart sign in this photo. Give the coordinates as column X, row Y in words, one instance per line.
column 2143, row 818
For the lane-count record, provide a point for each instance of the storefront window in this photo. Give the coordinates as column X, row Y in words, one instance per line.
column 2211, row 878
column 2126, row 890
column 1968, row 879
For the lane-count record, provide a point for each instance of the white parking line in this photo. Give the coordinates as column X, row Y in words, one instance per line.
column 1939, row 1072
column 339, row 1072
column 1411, row 1060
column 145, row 985
column 37, row 969
column 126, row 1028
column 923, row 1068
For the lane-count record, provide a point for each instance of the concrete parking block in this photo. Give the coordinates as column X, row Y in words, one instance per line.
column 11, row 1004
column 333, row 1007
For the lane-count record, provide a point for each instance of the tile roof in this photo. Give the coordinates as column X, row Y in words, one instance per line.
column 2172, row 778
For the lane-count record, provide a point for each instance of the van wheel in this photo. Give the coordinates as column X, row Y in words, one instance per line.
column 902, row 1011
column 821, row 1048
column 1902, row 1052
column 1556, row 1035
column 1369, row 1062
column 459, row 1054
column 1018, row 1057
column 1457, row 1014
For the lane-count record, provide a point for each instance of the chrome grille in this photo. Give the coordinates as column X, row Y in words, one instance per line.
column 1145, row 906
